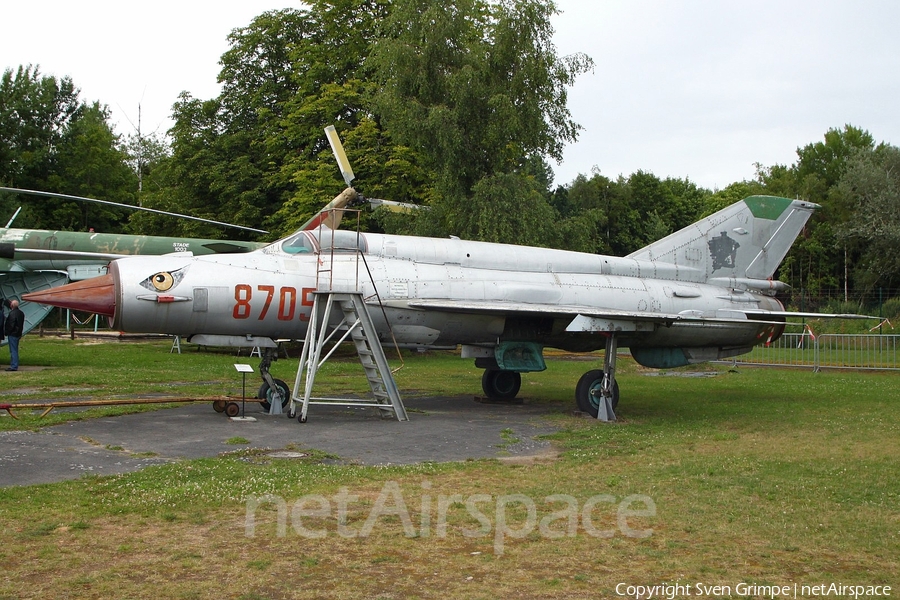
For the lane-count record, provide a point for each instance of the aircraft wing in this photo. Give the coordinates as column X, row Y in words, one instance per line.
column 592, row 318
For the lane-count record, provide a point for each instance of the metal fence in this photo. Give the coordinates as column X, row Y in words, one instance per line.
column 839, row 351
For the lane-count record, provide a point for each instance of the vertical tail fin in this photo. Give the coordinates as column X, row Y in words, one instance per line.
column 742, row 243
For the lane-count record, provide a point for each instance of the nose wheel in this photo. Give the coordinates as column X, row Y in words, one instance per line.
column 269, row 395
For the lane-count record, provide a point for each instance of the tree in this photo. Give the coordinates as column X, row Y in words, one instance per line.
column 732, row 193
column 52, row 141
column 35, row 111
column 257, row 154
column 89, row 162
column 227, row 152
column 824, row 162
column 478, row 90
column 818, row 262
column 870, row 183
column 509, row 209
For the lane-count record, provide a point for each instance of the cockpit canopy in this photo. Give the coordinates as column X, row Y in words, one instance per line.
column 326, row 240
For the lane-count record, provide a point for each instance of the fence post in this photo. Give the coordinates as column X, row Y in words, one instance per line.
column 816, row 365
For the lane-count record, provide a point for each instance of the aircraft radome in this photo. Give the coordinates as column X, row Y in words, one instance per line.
column 703, row 293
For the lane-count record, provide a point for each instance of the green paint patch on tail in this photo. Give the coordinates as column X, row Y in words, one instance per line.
column 767, row 207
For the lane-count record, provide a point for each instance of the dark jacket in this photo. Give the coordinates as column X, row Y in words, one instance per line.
column 15, row 323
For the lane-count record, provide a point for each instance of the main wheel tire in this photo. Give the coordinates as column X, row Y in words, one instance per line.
column 266, row 394
column 501, row 385
column 589, row 382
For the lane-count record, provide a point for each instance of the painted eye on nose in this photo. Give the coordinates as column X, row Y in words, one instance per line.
column 162, row 281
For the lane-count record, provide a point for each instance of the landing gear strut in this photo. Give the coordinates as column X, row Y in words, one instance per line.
column 274, row 393
column 597, row 392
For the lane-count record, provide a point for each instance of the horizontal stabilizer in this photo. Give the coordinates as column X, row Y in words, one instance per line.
column 806, row 315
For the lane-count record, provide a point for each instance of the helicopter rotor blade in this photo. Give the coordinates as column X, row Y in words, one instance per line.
column 340, row 156
column 129, row 206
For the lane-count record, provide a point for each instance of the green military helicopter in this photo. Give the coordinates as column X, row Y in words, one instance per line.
column 34, row 259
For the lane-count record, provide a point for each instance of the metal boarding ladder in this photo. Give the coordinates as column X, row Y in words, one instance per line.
column 356, row 324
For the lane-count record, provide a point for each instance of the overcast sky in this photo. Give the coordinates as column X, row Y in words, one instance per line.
column 694, row 89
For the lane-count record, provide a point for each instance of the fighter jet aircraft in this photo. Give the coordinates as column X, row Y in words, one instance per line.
column 703, row 293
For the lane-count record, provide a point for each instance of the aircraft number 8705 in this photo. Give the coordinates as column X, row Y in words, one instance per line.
column 287, row 302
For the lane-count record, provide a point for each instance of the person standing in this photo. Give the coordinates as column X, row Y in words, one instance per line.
column 15, row 323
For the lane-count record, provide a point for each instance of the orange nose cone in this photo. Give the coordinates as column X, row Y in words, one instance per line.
column 96, row 296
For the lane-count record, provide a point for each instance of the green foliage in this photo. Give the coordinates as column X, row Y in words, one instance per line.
column 870, row 185
column 52, row 141
column 508, row 208
column 730, row 194
column 821, row 165
column 35, row 111
column 891, row 309
column 478, row 89
column 89, row 163
column 630, row 213
column 820, row 261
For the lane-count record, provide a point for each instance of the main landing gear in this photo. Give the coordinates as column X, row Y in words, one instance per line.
column 596, row 394
column 590, row 392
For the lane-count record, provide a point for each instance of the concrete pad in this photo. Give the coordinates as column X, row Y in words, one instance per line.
column 440, row 430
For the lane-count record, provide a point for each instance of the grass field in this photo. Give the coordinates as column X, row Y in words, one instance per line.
column 754, row 476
